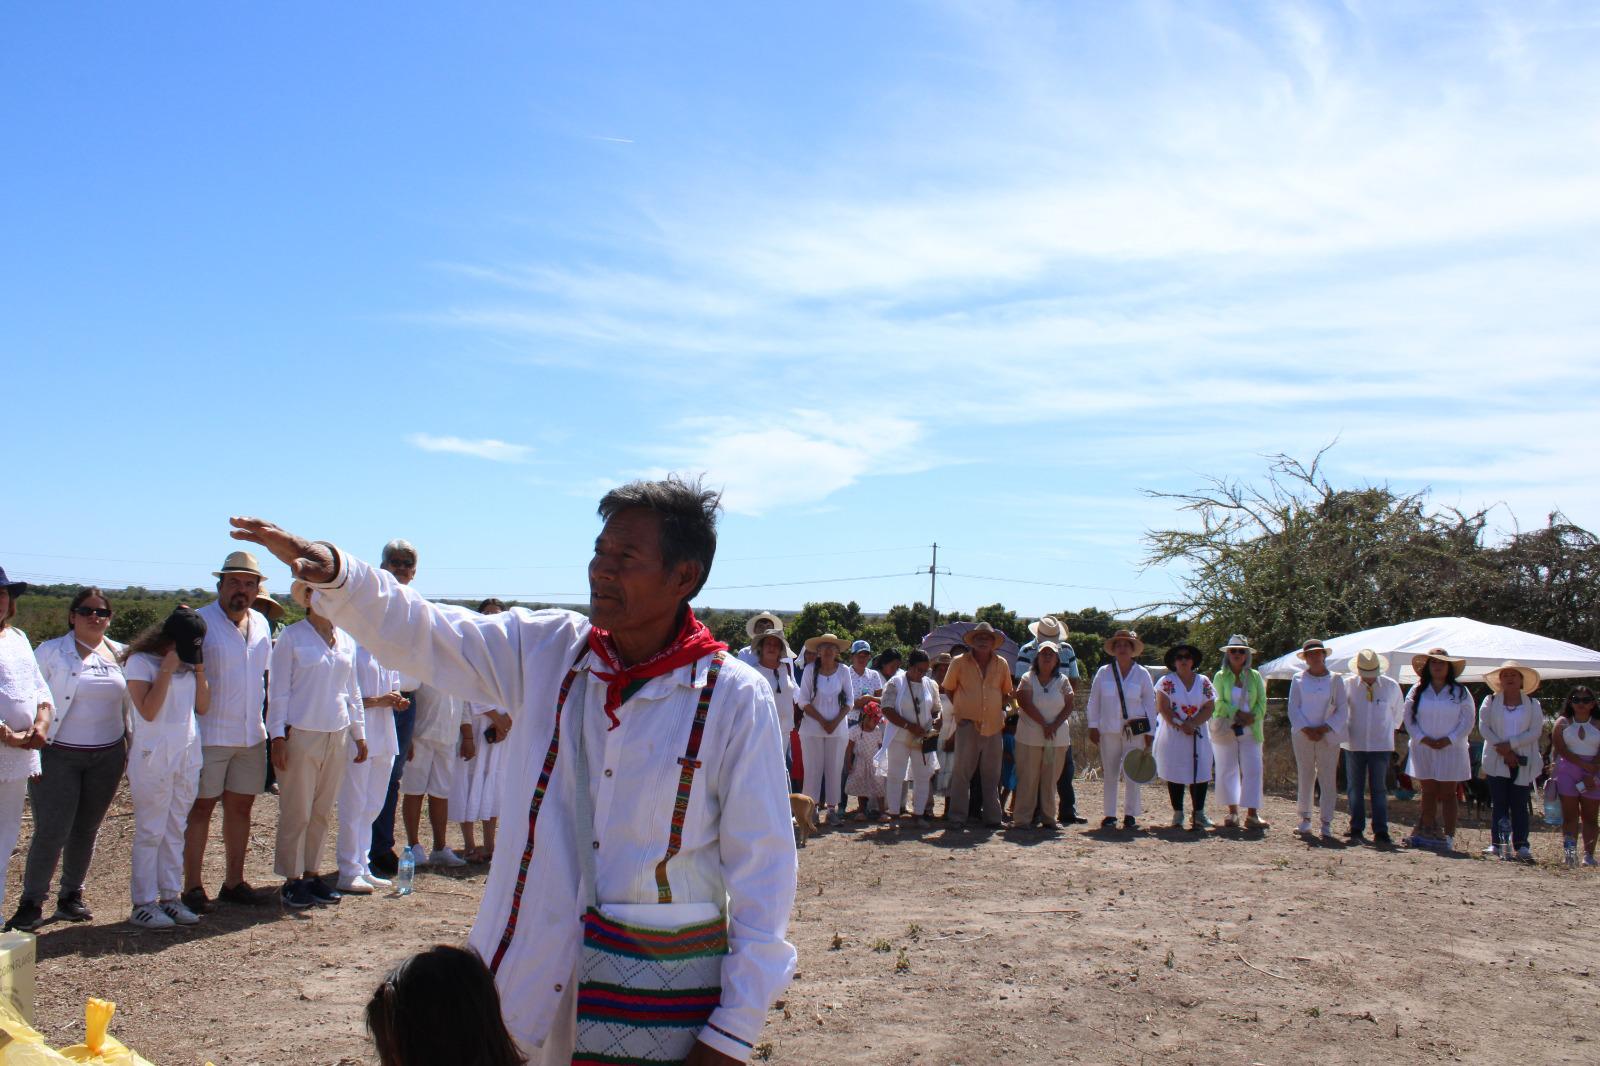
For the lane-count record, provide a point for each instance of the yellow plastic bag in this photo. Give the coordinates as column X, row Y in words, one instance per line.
column 99, row 1046
column 21, row 1044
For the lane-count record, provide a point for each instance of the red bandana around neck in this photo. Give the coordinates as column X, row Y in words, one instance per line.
column 693, row 642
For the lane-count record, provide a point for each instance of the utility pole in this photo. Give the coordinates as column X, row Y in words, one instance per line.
column 933, row 585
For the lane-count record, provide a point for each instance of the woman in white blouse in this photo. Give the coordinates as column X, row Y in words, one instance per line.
column 81, row 766
column 1185, row 701
column 475, row 797
column 1319, row 720
column 25, row 711
column 314, row 713
column 164, row 762
column 1511, row 722
column 1438, row 717
column 1043, row 739
column 827, row 696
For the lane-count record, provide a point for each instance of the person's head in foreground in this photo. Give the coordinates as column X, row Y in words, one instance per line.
column 651, row 558
column 440, row 1006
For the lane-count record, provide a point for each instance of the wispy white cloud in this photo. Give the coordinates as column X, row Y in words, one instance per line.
column 494, row 450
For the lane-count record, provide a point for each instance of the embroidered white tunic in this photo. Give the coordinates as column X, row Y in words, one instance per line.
column 738, row 843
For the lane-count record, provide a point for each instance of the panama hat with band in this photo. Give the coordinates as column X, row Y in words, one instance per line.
column 1128, row 635
column 982, row 629
column 1140, row 766
column 1419, row 663
column 1238, row 642
column 239, row 563
column 1048, row 628
column 1530, row 676
column 1311, row 645
column 1368, row 662
column 825, row 638
column 774, row 622
column 1177, row 649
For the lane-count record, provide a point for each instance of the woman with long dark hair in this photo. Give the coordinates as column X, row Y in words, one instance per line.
column 440, row 1006
column 1577, row 748
column 81, row 765
column 1438, row 715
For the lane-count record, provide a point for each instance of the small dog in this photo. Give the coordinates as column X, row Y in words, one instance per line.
column 804, row 809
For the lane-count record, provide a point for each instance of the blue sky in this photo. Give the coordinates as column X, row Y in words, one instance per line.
column 890, row 273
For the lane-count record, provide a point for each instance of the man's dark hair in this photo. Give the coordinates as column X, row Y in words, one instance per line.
column 687, row 512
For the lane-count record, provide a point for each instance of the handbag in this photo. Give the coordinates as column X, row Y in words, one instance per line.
column 1135, row 727
column 645, row 991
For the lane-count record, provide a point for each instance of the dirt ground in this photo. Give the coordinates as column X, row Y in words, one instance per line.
column 957, row 948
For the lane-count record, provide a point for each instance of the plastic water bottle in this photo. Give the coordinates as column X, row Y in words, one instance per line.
column 1570, row 848
column 1552, row 807
column 406, row 876
column 1506, row 851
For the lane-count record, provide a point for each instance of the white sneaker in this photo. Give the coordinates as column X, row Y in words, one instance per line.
column 355, row 886
column 419, row 854
column 175, row 910
column 374, row 880
column 151, row 916
column 445, row 857
column 1304, row 826
column 1177, row 819
column 1449, row 843
column 1327, row 830
column 1492, row 849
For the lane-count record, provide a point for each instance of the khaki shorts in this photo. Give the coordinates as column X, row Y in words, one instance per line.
column 240, row 770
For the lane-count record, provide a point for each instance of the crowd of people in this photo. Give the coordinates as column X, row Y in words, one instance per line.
column 982, row 732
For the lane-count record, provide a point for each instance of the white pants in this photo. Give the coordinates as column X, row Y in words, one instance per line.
column 1317, row 760
column 907, row 751
column 1114, row 744
column 824, row 759
column 161, row 801
column 1238, row 768
column 12, row 795
column 361, row 797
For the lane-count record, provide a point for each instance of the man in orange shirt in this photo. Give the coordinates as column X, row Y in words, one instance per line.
column 979, row 685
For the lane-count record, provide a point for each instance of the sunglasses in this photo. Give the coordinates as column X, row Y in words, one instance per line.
column 1581, row 699
column 92, row 612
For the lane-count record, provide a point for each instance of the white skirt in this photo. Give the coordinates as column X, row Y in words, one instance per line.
column 475, row 796
column 1180, row 759
column 1439, row 764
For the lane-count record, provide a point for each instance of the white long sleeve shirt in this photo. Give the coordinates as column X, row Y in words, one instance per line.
column 440, row 716
column 1318, row 701
column 312, row 685
column 915, row 701
column 1520, row 726
column 738, row 843
column 1105, row 710
column 236, row 665
column 1374, row 713
column 374, row 680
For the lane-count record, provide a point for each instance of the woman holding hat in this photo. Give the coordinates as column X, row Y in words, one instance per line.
column 1511, row 722
column 1577, row 747
column 82, row 765
column 1122, row 701
column 1318, row 720
column 826, row 698
column 1374, row 706
column 25, row 712
column 1185, row 700
column 167, row 684
column 1438, row 716
column 1237, row 731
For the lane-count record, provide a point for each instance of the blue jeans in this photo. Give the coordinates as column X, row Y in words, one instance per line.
column 1364, row 770
column 383, row 827
column 1508, row 801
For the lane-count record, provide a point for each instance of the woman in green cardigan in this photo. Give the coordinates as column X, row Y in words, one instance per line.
column 1237, row 730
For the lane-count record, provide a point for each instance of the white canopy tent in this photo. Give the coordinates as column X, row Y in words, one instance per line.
column 1484, row 646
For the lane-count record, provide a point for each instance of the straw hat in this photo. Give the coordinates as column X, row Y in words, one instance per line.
column 1139, row 765
column 982, row 629
column 1125, row 634
column 1368, row 661
column 1530, row 676
column 825, row 638
column 1047, row 645
column 1238, row 642
column 267, row 605
column 776, row 634
column 943, row 659
column 764, row 616
column 1311, row 645
column 1172, row 654
column 1419, row 663
column 1048, row 628
column 239, row 563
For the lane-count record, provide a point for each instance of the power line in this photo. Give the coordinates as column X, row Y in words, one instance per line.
column 1048, row 584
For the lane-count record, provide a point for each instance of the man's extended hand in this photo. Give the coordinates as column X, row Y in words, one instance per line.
column 305, row 560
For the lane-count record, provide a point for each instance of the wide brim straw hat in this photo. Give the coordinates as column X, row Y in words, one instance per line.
column 982, row 629
column 1238, row 642
column 268, row 606
column 1530, row 676
column 764, row 616
column 944, row 658
column 1124, row 634
column 775, row 634
column 825, row 638
column 1049, row 622
column 1368, row 661
column 1172, row 654
column 1140, row 766
column 1311, row 645
column 239, row 563
column 1419, row 663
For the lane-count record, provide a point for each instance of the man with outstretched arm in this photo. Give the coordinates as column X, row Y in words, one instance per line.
column 683, row 758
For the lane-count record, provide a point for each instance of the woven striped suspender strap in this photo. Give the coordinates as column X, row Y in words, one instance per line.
column 539, row 790
column 689, row 763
